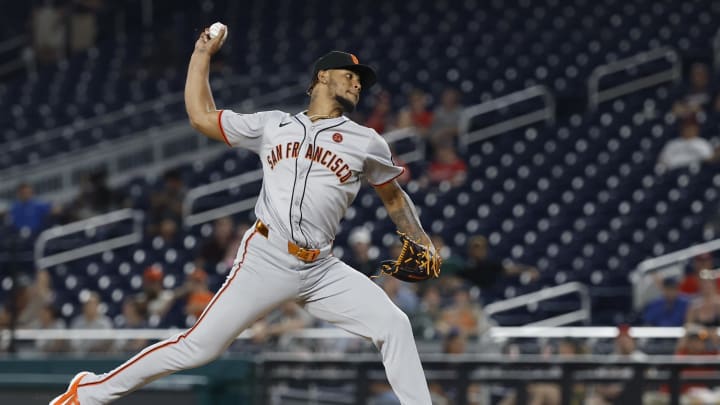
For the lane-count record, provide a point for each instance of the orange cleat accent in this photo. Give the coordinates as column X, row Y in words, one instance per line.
column 70, row 397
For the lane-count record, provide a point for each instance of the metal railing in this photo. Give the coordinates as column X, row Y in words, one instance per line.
column 674, row 73
column 417, row 154
column 135, row 236
column 9, row 46
column 114, row 117
column 190, row 218
column 462, row 371
column 156, row 148
column 546, row 113
column 148, row 152
column 668, row 265
column 495, row 332
column 583, row 314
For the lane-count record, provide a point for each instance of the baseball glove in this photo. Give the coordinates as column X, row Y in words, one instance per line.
column 415, row 263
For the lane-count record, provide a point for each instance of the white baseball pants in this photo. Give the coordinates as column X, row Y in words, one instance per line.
column 263, row 277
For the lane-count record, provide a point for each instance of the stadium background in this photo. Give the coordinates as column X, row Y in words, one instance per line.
column 564, row 109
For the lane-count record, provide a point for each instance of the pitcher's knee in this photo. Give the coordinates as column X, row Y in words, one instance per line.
column 395, row 323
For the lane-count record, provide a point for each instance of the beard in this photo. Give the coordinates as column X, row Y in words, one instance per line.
column 346, row 104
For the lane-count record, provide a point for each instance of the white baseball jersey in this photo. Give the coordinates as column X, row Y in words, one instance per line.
column 311, row 170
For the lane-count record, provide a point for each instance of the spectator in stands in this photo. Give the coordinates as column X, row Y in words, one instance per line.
column 626, row 346
column 39, row 294
column 446, row 166
column 428, row 313
column 421, row 117
column 669, row 309
column 548, row 393
column 198, row 293
column 49, row 320
column 446, row 118
column 705, row 310
column 13, row 303
column 274, row 327
column 132, row 318
column 48, row 32
column 185, row 304
column 697, row 96
column 28, row 212
column 483, row 270
column 95, row 197
column 83, row 24
column 380, row 117
column 27, row 301
column 464, row 314
column 213, row 250
column 401, row 294
column 686, row 150
column 608, row 394
column 167, row 202
column 154, row 300
column 691, row 282
column 91, row 318
column 360, row 258
column 455, row 342
column 167, row 232
column 404, row 121
column 698, row 341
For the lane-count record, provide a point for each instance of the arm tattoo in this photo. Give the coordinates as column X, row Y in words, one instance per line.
column 405, row 217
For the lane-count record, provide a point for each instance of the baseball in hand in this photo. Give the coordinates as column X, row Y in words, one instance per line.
column 215, row 30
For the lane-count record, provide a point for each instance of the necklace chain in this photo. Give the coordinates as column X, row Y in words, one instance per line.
column 313, row 117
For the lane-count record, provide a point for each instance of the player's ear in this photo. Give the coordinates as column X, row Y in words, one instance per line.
column 323, row 76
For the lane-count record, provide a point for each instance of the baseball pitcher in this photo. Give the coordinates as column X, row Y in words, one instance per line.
column 312, row 163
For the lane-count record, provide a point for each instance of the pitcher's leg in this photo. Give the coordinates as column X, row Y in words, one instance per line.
column 348, row 299
column 248, row 292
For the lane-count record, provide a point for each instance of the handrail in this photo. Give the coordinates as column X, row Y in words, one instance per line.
column 547, row 113
column 583, row 314
column 17, row 62
column 496, row 332
column 127, row 156
column 656, row 264
column 716, row 51
column 597, row 96
column 418, row 154
column 133, row 110
column 121, row 158
column 191, row 219
column 13, row 43
column 94, row 248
